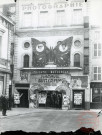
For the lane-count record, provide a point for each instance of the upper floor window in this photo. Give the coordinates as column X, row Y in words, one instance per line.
column 97, row 49
column 77, row 60
column 26, row 61
column 77, row 16
column 26, row 45
column 97, row 35
column 97, row 73
column 27, row 19
column 60, row 18
column 43, row 18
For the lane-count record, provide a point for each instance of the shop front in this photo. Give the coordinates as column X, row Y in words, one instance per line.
column 53, row 88
column 21, row 95
column 96, row 95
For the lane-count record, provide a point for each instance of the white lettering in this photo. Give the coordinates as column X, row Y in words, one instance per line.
column 34, row 7
column 49, row 6
column 66, row 5
column 44, row 6
column 80, row 4
column 71, row 4
column 55, row 6
column 60, row 6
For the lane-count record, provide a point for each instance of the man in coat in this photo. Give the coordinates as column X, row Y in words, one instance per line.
column 4, row 105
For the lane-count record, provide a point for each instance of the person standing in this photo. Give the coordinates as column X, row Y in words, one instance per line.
column 4, row 104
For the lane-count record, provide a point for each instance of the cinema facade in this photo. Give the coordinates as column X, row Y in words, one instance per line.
column 49, row 79
column 51, row 62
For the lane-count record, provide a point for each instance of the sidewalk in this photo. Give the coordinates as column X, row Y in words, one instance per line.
column 22, row 111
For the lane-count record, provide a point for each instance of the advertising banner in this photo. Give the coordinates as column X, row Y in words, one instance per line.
column 42, row 98
column 16, row 98
column 77, row 98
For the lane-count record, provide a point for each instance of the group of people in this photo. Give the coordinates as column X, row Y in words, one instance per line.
column 54, row 100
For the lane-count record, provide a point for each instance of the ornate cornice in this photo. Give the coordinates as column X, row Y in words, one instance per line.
column 49, row 32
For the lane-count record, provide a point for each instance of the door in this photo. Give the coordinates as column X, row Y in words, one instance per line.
column 23, row 98
column 78, row 99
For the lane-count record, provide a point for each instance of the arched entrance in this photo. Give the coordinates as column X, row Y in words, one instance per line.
column 64, row 89
column 34, row 94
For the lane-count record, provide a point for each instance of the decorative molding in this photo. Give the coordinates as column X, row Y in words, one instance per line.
column 49, row 32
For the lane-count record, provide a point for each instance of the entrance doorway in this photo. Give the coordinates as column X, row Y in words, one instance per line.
column 78, row 99
column 24, row 102
column 53, row 99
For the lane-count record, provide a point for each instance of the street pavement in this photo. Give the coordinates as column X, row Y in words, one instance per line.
column 46, row 120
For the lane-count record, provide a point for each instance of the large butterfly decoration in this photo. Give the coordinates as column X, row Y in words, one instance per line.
column 60, row 55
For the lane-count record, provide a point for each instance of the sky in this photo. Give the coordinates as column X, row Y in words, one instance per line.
column 96, row 10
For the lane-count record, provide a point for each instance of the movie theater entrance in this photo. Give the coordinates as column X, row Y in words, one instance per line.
column 50, row 99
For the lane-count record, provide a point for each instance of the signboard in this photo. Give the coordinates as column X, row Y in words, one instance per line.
column 46, row 6
column 77, row 98
column 16, row 98
column 42, row 98
column 79, row 81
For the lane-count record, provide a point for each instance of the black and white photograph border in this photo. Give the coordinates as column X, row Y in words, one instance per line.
column 51, row 66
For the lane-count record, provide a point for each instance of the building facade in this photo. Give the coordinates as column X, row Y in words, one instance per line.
column 6, row 31
column 51, row 55
column 96, row 67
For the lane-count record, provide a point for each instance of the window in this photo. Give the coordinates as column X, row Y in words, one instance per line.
column 26, row 45
column 97, row 73
column 86, row 60
column 60, row 18
column 0, row 45
column 77, row 16
column 26, row 61
column 97, row 95
column 43, row 19
column 77, row 60
column 27, row 19
column 97, row 35
column 77, row 43
column 97, row 49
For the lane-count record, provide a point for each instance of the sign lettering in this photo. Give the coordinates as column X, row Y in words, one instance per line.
column 49, row 6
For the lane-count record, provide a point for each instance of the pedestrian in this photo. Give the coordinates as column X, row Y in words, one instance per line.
column 4, row 105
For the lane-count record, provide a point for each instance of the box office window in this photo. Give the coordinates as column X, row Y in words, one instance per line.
column 97, row 95
column 97, row 73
